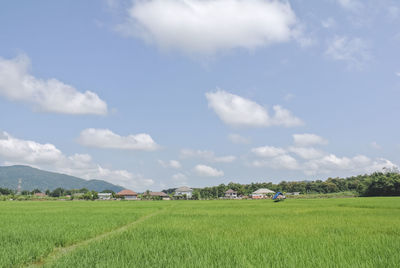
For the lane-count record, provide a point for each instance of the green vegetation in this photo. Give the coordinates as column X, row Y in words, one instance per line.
column 346, row 232
column 376, row 184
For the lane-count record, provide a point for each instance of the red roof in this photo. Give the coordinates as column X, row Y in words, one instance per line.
column 126, row 193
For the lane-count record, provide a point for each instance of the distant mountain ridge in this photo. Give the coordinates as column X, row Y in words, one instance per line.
column 33, row 178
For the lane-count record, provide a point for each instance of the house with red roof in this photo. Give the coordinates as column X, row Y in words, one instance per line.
column 128, row 194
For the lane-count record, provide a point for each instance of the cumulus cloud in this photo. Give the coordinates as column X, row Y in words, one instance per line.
column 207, row 155
column 52, row 95
column 308, row 140
column 105, row 138
column 268, row 151
column 240, row 112
column 357, row 164
column 27, row 151
column 170, row 164
column 208, row 171
column 305, row 158
column 47, row 156
column 238, row 139
column 206, row 27
column 354, row 51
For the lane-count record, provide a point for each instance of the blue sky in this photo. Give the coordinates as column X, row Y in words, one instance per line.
column 162, row 93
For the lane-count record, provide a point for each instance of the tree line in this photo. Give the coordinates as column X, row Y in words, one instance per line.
column 386, row 183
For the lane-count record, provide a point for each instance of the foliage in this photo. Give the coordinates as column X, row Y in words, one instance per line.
column 351, row 232
column 376, row 184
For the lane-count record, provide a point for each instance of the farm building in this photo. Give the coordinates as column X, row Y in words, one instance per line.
column 182, row 191
column 128, row 194
column 104, row 196
column 261, row 193
column 161, row 195
column 230, row 194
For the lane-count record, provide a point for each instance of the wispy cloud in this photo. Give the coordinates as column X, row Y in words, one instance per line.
column 354, row 51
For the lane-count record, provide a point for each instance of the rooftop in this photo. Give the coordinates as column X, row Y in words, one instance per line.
column 264, row 191
column 126, row 193
column 184, row 189
column 230, row 191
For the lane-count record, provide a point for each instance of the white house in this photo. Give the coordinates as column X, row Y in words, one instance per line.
column 261, row 193
column 184, row 190
column 104, row 196
column 231, row 194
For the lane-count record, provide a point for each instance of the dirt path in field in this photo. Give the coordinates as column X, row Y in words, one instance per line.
column 59, row 252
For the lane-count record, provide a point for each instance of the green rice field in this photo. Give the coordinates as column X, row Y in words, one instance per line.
column 346, row 232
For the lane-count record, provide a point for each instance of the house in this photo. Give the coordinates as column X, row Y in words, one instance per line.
column 160, row 195
column 230, row 194
column 40, row 194
column 128, row 194
column 105, row 196
column 184, row 191
column 261, row 193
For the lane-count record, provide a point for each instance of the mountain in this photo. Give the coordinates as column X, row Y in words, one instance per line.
column 33, row 178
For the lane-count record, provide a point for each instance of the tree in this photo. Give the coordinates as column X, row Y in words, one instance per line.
column 196, row 194
column 57, row 192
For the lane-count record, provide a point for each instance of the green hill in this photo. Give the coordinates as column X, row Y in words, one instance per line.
column 33, row 178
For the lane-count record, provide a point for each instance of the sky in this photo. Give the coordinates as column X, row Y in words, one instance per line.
column 155, row 94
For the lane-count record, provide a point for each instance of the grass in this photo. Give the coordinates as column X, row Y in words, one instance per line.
column 350, row 232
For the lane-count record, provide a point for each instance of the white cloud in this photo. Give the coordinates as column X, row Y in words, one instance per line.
column 357, row 164
column 268, row 151
column 105, row 138
column 304, row 140
column 170, row 164
column 207, row 155
column 283, row 161
column 50, row 95
column 47, row 156
column 208, row 171
column 28, row 151
column 306, row 152
column 312, row 161
column 354, row 51
column 238, row 139
column 240, row 112
column 206, row 27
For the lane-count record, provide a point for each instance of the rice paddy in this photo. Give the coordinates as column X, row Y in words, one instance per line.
column 348, row 232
